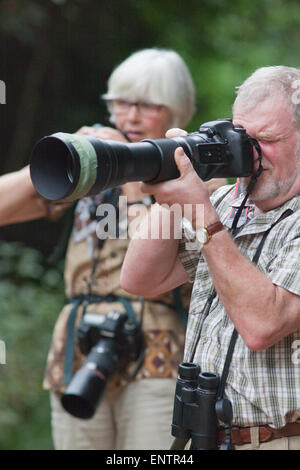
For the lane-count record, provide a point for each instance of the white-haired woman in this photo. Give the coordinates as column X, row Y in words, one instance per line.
column 148, row 93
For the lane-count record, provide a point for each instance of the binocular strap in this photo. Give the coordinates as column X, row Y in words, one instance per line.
column 235, row 333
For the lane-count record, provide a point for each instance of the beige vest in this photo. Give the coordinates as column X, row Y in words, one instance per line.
column 164, row 331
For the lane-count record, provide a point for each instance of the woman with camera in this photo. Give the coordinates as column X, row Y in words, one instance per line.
column 147, row 94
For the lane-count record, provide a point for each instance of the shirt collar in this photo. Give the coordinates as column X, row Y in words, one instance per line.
column 262, row 221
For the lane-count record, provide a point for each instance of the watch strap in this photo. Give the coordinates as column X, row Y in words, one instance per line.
column 214, row 228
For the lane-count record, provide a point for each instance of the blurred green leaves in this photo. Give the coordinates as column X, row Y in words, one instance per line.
column 223, row 42
column 31, row 297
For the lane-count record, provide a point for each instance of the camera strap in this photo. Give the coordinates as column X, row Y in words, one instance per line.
column 110, row 196
column 213, row 293
column 251, row 184
column 223, row 405
column 179, row 308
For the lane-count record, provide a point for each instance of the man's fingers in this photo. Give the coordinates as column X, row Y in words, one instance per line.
column 175, row 132
column 183, row 164
column 182, row 161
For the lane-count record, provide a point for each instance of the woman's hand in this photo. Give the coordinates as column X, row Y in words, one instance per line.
column 105, row 133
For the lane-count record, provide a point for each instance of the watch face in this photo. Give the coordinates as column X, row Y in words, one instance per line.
column 202, row 235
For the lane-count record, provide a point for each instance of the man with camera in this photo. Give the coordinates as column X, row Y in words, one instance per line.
column 261, row 302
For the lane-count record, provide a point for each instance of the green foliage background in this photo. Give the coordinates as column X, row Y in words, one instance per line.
column 31, row 296
column 55, row 58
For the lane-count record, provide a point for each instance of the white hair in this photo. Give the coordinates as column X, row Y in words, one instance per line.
column 159, row 76
column 271, row 82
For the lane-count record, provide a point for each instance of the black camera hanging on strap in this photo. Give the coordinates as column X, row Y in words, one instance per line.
column 107, row 340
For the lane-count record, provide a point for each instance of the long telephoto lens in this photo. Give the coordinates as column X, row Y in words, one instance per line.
column 66, row 167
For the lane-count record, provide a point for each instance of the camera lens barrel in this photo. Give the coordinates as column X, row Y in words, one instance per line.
column 84, row 393
column 86, row 389
column 65, row 167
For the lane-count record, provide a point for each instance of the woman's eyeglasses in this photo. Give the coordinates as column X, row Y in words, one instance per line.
column 121, row 106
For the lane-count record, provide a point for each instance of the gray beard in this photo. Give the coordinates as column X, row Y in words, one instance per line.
column 271, row 189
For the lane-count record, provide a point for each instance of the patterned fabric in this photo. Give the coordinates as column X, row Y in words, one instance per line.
column 163, row 330
column 163, row 354
column 263, row 386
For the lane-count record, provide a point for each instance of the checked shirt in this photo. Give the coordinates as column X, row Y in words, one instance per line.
column 263, row 386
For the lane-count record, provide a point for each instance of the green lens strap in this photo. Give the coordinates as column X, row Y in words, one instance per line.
column 88, row 164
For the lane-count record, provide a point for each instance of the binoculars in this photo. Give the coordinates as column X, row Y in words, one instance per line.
column 198, row 410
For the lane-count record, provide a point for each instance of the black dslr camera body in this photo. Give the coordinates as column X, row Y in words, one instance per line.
column 110, row 342
column 67, row 167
